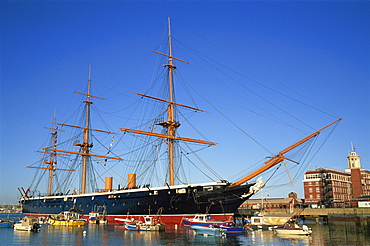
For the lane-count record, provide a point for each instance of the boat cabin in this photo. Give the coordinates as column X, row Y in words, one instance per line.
column 28, row 221
column 201, row 218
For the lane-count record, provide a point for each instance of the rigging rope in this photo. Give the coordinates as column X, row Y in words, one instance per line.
column 198, row 168
column 240, row 129
column 200, row 55
column 204, row 163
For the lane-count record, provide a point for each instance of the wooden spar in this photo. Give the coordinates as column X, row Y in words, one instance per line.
column 83, row 154
column 279, row 157
column 88, row 94
column 43, row 152
column 163, row 100
column 171, row 123
column 171, row 57
column 53, row 128
column 48, row 168
column 167, row 136
column 85, row 146
column 85, row 128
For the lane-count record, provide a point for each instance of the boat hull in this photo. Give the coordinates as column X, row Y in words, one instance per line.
column 172, row 204
column 188, row 222
column 66, row 222
column 269, row 222
column 282, row 231
column 23, row 228
column 203, row 230
column 133, row 227
column 233, row 229
column 6, row 224
column 27, row 224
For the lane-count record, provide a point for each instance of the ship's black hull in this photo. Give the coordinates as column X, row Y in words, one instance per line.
column 167, row 202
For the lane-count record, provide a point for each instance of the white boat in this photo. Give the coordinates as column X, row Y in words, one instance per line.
column 205, row 220
column 150, row 224
column 293, row 229
column 269, row 221
column 43, row 220
column 97, row 218
column 27, row 224
column 209, row 230
column 122, row 221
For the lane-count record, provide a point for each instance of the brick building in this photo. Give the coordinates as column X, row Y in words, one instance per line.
column 360, row 176
column 292, row 201
column 326, row 187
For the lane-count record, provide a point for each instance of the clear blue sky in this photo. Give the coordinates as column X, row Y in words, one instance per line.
column 319, row 49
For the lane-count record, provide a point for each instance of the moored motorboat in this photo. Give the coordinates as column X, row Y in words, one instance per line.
column 150, row 224
column 6, row 223
column 67, row 218
column 121, row 221
column 27, row 223
column 43, row 220
column 293, row 229
column 235, row 229
column 97, row 218
column 268, row 221
column 205, row 220
column 209, row 230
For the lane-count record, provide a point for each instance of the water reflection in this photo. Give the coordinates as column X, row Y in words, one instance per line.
column 332, row 234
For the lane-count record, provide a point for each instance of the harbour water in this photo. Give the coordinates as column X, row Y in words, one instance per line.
column 339, row 233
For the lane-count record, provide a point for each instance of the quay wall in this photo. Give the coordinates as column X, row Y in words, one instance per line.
column 330, row 213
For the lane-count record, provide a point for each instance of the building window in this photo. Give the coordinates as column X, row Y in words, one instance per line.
column 317, row 189
column 318, row 196
column 310, row 190
column 311, row 196
column 310, row 183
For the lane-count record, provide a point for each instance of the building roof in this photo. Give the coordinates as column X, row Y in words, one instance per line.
column 272, row 200
column 319, row 170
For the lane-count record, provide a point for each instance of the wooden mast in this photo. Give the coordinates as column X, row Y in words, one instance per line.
column 86, row 146
column 52, row 155
column 280, row 156
column 52, row 162
column 171, row 114
column 171, row 123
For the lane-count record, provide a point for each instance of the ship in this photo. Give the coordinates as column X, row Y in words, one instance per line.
column 171, row 202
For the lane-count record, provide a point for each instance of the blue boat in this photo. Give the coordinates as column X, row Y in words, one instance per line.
column 132, row 227
column 150, row 224
column 6, row 223
column 234, row 229
column 209, row 230
column 205, row 220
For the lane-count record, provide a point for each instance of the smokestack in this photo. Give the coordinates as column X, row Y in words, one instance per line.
column 108, row 183
column 131, row 180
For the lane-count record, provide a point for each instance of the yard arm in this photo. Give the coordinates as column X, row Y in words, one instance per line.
column 279, row 157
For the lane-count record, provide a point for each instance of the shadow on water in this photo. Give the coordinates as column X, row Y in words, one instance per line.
column 340, row 233
column 349, row 233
